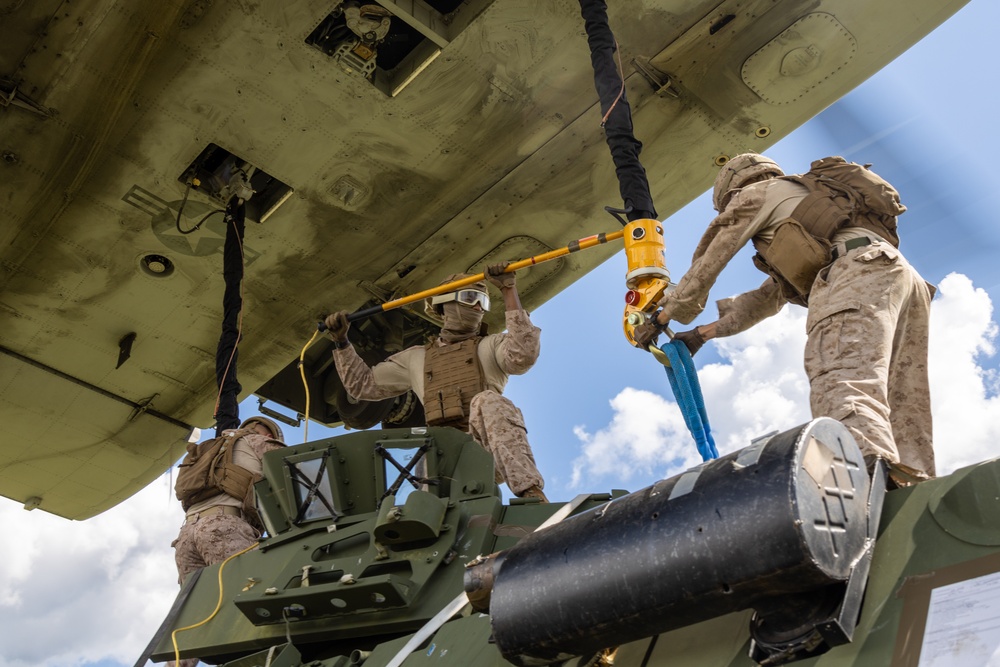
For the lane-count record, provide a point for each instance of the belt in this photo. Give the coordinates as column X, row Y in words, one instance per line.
column 841, row 249
column 211, row 511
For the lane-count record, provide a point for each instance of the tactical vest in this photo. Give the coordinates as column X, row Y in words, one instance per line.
column 452, row 376
column 841, row 194
column 208, row 469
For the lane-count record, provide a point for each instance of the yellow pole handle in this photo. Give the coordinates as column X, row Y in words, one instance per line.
column 575, row 246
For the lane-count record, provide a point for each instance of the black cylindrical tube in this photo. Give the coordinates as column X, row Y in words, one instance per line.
column 785, row 515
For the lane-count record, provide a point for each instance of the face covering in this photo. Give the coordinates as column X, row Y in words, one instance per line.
column 460, row 322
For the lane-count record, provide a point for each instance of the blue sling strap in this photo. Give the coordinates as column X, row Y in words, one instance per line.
column 687, row 391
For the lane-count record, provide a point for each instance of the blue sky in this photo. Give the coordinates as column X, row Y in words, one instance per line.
column 599, row 413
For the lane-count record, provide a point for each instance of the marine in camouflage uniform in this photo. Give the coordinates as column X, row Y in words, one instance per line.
column 217, row 527
column 492, row 419
column 867, row 325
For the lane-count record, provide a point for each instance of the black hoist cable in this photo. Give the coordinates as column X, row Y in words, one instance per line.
column 227, row 408
column 616, row 112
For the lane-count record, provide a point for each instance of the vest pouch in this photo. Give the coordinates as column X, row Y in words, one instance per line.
column 797, row 255
column 433, row 408
column 445, row 408
column 451, row 403
column 233, row 480
column 762, row 265
column 788, row 293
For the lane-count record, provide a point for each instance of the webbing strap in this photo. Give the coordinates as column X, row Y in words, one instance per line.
column 687, row 391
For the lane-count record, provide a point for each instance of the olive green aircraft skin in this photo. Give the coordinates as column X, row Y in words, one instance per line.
column 376, row 578
column 483, row 144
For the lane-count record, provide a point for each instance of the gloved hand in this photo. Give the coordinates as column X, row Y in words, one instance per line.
column 646, row 333
column 337, row 326
column 692, row 339
column 495, row 274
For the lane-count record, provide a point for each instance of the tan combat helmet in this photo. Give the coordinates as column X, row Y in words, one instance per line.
column 741, row 170
column 434, row 305
column 275, row 430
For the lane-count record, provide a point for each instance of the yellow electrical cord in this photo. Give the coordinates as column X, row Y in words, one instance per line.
column 218, row 605
column 305, row 385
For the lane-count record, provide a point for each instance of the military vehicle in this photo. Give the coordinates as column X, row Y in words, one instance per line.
column 379, row 140
column 374, row 141
column 393, row 547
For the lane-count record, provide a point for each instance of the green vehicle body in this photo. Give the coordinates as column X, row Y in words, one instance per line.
column 350, row 571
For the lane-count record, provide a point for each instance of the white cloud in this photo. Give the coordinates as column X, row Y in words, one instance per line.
column 73, row 593
column 964, row 396
column 645, row 432
column 761, row 387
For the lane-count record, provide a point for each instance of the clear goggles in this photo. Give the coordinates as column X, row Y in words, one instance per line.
column 466, row 297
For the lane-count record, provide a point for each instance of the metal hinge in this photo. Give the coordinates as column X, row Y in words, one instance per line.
column 11, row 96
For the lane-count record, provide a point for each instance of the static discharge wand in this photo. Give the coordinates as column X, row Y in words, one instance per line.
column 575, row 246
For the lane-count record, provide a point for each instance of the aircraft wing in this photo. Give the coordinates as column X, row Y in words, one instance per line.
column 389, row 144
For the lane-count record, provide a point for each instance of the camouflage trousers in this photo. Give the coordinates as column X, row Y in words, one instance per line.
column 866, row 354
column 207, row 541
column 210, row 540
column 498, row 425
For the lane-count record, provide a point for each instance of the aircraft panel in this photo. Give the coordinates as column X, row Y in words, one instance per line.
column 78, row 451
column 493, row 146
